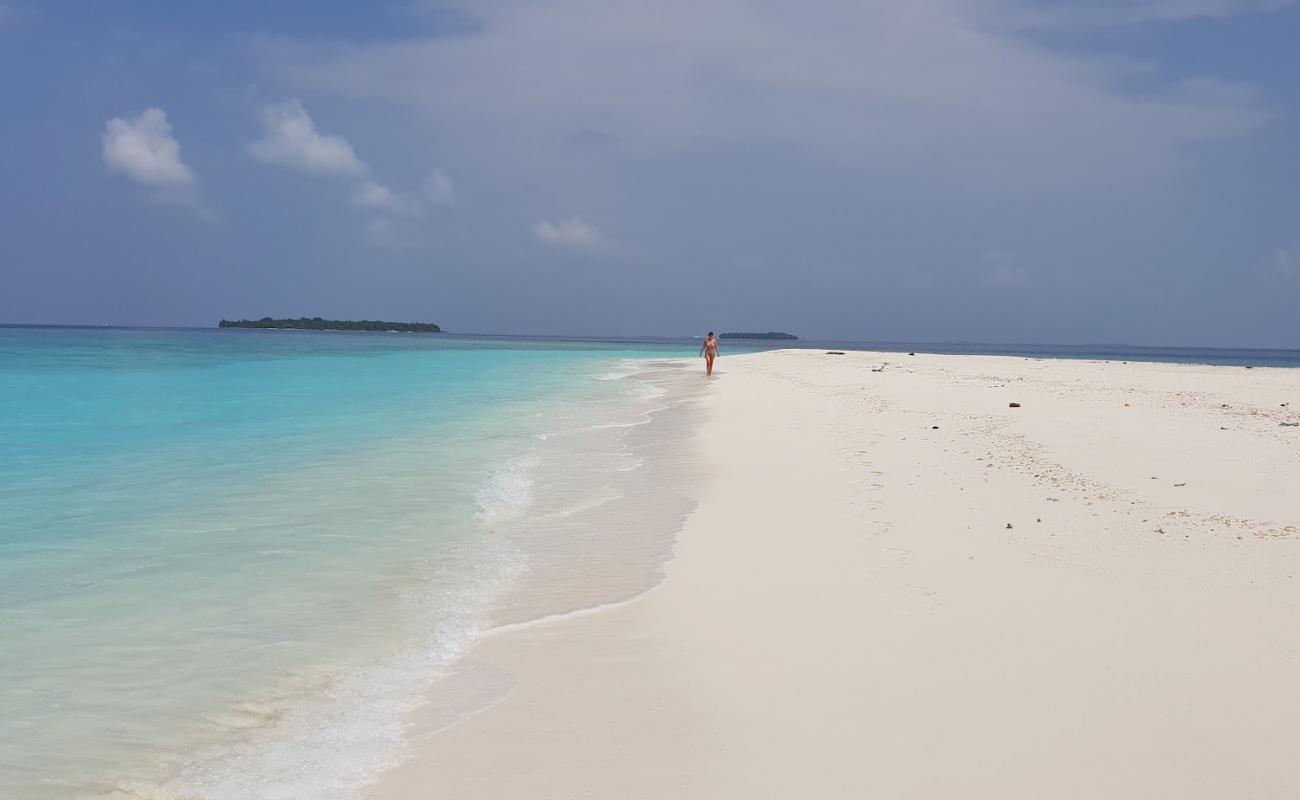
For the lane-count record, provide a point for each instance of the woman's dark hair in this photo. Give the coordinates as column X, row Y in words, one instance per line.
column 710, row 333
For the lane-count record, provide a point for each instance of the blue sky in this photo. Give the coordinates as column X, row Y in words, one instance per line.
column 985, row 170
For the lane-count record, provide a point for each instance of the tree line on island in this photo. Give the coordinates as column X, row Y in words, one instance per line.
column 318, row 324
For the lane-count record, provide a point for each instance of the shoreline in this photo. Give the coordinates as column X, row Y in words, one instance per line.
column 1200, row 355
column 344, row 586
column 848, row 603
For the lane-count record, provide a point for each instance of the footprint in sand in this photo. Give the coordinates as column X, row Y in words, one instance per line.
column 901, row 554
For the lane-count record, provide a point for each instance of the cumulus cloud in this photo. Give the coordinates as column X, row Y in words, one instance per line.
column 375, row 196
column 439, row 189
column 290, row 139
column 143, row 149
column 575, row 233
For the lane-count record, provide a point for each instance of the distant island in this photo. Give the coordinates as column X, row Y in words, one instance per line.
column 788, row 337
column 318, row 324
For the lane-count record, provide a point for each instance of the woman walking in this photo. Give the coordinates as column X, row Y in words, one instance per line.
column 710, row 351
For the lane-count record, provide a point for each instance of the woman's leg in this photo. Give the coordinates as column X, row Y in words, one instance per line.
column 708, row 369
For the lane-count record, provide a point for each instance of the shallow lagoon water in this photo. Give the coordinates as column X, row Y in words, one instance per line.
column 231, row 562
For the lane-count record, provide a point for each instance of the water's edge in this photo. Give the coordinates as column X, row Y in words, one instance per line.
column 584, row 519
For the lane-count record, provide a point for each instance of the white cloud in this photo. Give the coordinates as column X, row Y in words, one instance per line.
column 959, row 90
column 143, row 149
column 576, row 233
column 439, row 189
column 377, row 197
column 386, row 231
column 372, row 195
column 290, row 139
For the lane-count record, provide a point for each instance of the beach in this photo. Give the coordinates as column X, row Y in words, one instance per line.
column 892, row 583
column 232, row 561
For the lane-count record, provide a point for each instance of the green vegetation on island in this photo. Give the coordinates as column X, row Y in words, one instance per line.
column 318, row 324
column 781, row 335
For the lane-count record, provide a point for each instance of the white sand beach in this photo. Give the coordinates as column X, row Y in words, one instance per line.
column 895, row 585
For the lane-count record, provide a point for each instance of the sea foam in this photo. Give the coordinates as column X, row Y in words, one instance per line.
column 333, row 741
column 507, row 492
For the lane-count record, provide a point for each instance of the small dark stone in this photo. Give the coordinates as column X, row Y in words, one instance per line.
column 1014, row 405
column 1008, row 526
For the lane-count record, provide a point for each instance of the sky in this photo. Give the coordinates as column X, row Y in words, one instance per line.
column 1008, row 171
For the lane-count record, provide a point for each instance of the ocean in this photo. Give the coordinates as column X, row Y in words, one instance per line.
column 232, row 562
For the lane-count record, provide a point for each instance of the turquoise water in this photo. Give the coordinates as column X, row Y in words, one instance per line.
column 230, row 561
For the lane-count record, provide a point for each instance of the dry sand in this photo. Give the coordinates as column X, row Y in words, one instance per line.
column 1092, row 596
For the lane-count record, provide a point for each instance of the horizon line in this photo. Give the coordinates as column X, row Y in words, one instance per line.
column 633, row 337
